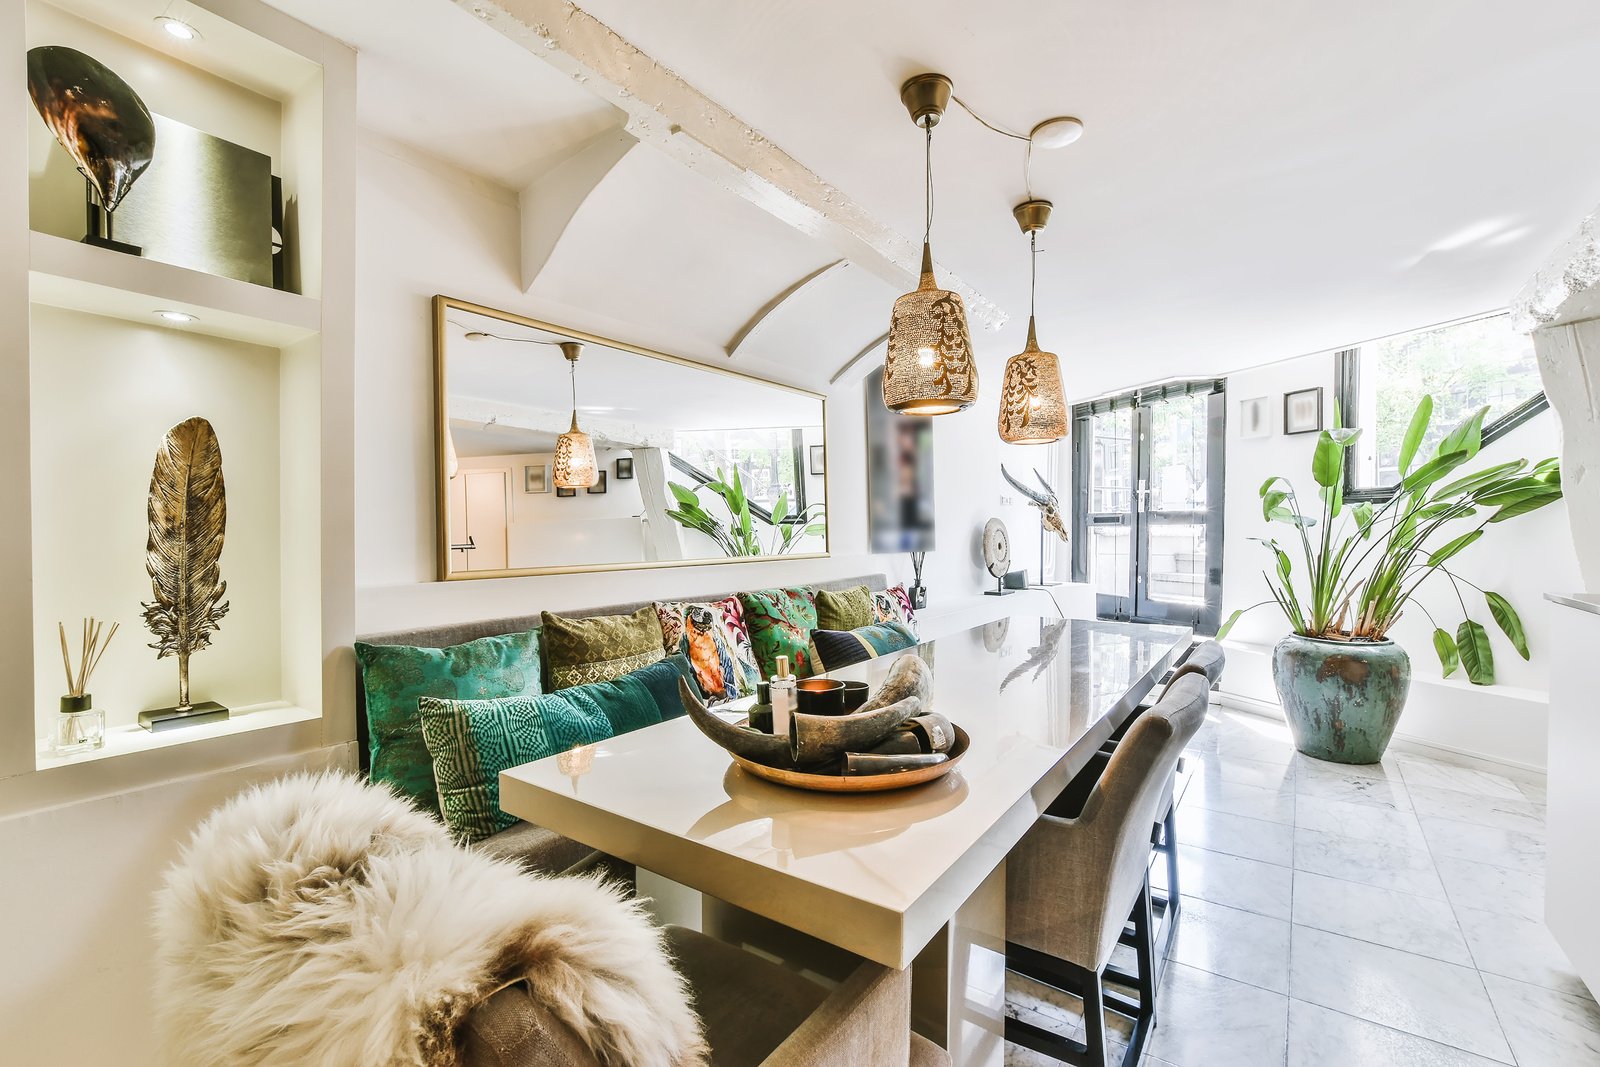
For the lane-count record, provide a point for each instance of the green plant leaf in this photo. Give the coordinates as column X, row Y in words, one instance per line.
column 1222, row 631
column 780, row 508
column 684, row 494
column 1467, row 437
column 1364, row 515
column 1433, row 470
column 1480, row 479
column 1415, row 432
column 1271, row 502
column 1472, row 640
column 1327, row 462
column 1445, row 646
column 1525, row 505
column 1510, row 622
column 1442, row 554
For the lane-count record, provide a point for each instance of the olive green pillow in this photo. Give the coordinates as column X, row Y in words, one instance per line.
column 396, row 677
column 848, row 609
column 598, row 649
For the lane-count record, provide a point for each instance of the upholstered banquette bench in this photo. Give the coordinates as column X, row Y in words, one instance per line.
column 469, row 675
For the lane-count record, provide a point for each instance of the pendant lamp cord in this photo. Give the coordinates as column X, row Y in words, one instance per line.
column 572, row 369
column 1033, row 271
column 927, row 171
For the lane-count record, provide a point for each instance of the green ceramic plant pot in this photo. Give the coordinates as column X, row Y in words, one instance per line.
column 1342, row 698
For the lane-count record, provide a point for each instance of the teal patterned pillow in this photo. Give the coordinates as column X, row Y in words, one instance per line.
column 833, row 649
column 396, row 677
column 472, row 741
column 780, row 622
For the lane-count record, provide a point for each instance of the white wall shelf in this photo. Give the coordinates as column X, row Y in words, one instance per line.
column 130, row 739
column 81, row 277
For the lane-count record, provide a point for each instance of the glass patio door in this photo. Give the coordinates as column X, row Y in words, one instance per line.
column 1148, row 507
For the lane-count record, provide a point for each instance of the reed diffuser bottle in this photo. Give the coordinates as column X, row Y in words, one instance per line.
column 80, row 726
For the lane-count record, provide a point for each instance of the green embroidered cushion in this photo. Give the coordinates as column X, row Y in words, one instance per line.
column 471, row 741
column 847, row 609
column 780, row 622
column 580, row 651
column 396, row 677
column 833, row 649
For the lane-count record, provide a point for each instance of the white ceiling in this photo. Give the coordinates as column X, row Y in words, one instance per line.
column 1256, row 181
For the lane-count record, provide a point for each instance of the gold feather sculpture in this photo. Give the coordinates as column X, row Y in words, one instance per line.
column 188, row 512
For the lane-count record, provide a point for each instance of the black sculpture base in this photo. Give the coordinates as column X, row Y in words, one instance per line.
column 115, row 246
column 1000, row 589
column 174, row 718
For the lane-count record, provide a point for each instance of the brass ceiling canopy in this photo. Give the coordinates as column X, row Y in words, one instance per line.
column 926, row 96
column 1032, row 214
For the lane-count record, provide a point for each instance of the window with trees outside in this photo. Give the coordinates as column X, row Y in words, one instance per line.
column 1464, row 366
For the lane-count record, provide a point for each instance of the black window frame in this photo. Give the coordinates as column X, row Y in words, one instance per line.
column 1347, row 390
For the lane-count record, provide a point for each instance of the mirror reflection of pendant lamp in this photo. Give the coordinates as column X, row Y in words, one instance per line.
column 929, row 368
column 1033, row 406
column 575, row 465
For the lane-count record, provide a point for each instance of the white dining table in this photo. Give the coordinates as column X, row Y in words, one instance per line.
column 912, row 877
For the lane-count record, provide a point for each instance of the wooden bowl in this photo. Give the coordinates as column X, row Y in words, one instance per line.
column 875, row 783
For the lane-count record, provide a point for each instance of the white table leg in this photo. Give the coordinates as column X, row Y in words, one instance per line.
column 958, row 982
column 670, row 902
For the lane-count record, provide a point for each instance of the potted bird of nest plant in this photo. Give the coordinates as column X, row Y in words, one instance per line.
column 1340, row 677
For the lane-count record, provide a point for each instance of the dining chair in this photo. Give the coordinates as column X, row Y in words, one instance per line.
column 756, row 1014
column 1082, row 871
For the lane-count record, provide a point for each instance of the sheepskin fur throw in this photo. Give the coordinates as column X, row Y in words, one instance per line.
column 319, row 920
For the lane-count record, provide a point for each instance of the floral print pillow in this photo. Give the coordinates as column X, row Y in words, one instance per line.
column 780, row 622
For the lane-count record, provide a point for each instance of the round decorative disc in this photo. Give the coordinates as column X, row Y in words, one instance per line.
column 996, row 547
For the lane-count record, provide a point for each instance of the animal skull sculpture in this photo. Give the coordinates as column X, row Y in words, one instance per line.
column 1047, row 502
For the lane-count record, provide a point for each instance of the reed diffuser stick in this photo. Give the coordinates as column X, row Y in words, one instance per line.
column 96, row 638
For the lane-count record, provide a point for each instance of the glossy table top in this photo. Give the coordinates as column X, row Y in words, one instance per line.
column 875, row 873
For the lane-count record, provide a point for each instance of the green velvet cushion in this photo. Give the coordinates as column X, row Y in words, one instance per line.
column 598, row 649
column 780, row 622
column 833, row 649
column 472, row 741
column 847, row 609
column 396, row 677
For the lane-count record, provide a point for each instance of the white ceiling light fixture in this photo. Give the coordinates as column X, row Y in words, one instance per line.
column 177, row 316
column 177, row 29
column 1056, row 133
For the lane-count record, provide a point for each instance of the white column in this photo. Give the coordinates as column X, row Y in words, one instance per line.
column 661, row 539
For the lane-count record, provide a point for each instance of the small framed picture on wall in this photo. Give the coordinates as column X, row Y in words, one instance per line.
column 819, row 459
column 599, row 487
column 536, row 479
column 566, row 492
column 625, row 469
column 1302, row 411
column 1255, row 417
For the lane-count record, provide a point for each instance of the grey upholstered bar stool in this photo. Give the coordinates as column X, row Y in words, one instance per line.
column 1080, row 872
column 756, row 1014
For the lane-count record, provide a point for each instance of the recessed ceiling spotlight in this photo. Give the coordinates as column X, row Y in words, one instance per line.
column 1056, row 133
column 178, row 28
column 176, row 316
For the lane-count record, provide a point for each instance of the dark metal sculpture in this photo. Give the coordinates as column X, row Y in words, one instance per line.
column 188, row 513
column 1047, row 502
column 98, row 119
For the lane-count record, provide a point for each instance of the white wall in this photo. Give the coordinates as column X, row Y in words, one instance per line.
column 427, row 228
column 1523, row 560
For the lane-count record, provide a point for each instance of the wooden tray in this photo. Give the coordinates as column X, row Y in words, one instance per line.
column 870, row 783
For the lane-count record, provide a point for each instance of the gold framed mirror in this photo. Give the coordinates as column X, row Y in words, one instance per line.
column 559, row 451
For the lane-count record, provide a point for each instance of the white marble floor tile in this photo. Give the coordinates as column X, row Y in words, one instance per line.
column 1371, row 822
column 1381, row 916
column 1388, row 768
column 1205, row 1019
column 1319, row 1037
column 1240, row 945
column 1523, row 949
column 1249, row 801
column 1518, row 849
column 1217, row 831
column 1425, row 997
column 1546, row 1027
column 1534, row 789
column 1385, row 864
column 1230, row 768
column 1235, row 882
column 1317, row 780
column 1481, row 809
column 1495, row 889
column 1440, row 775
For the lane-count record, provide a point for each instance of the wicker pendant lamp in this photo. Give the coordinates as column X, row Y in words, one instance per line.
column 575, row 465
column 1033, row 406
column 929, row 368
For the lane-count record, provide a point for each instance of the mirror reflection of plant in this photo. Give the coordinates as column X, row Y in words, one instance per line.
column 739, row 536
column 1358, row 581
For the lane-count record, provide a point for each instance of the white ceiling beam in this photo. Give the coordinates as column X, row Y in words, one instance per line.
column 665, row 111
column 752, row 328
